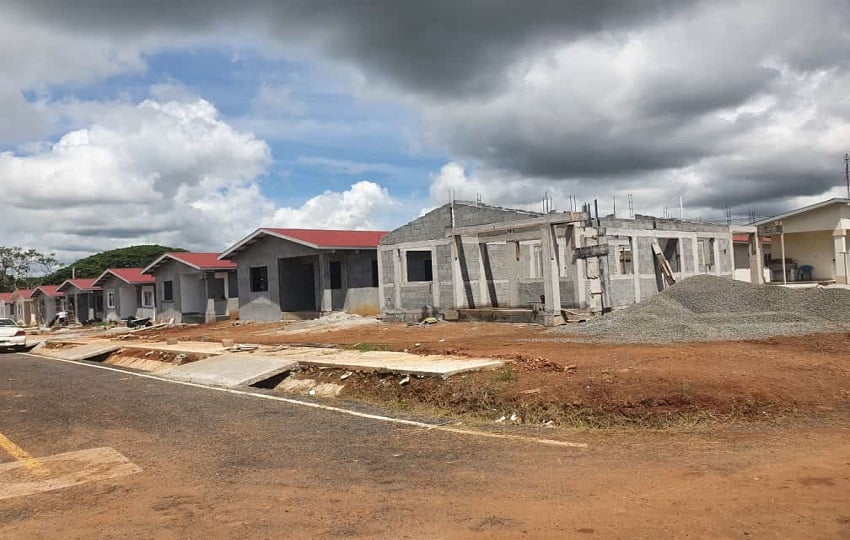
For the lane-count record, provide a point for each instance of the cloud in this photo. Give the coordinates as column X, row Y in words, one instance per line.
column 158, row 172
column 719, row 102
column 364, row 206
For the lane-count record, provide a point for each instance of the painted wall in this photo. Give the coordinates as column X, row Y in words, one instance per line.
column 812, row 248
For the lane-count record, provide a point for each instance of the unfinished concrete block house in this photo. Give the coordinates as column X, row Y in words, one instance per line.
column 194, row 287
column 465, row 259
column 304, row 273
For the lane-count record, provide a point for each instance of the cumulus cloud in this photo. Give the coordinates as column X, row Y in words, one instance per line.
column 166, row 172
column 722, row 102
column 364, row 206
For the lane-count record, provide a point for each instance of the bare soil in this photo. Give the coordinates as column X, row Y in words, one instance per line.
column 585, row 384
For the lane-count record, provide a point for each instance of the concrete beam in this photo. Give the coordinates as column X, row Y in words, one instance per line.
column 550, row 219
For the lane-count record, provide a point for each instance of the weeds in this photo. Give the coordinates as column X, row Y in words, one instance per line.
column 368, row 347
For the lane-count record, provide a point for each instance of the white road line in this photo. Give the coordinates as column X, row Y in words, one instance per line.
column 414, row 423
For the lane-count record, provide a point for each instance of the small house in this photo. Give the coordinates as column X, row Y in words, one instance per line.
column 48, row 300
column 23, row 309
column 194, row 287
column 127, row 293
column 6, row 306
column 305, row 273
column 83, row 300
column 810, row 243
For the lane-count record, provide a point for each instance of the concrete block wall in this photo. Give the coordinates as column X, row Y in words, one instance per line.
column 435, row 223
column 686, row 250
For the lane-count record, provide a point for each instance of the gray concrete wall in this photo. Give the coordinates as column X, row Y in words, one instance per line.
column 357, row 291
column 126, row 300
column 435, row 223
column 168, row 309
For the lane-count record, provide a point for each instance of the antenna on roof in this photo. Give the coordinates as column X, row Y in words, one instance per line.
column 615, row 207
column 681, row 209
column 631, row 207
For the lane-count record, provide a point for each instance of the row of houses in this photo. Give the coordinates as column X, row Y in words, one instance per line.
column 460, row 258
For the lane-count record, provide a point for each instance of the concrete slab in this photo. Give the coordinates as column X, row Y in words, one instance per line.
column 233, row 369
column 186, row 347
column 81, row 352
column 396, row 362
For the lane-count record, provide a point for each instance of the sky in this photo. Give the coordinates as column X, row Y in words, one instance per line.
column 192, row 123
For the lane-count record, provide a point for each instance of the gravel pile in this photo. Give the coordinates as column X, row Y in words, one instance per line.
column 711, row 308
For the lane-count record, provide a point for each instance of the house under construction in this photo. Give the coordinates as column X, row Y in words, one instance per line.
column 474, row 261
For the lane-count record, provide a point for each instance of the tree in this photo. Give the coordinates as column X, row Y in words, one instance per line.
column 92, row 266
column 17, row 264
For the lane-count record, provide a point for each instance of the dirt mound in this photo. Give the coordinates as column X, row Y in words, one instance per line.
column 709, row 308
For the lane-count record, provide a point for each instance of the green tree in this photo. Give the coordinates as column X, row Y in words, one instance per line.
column 94, row 265
column 17, row 264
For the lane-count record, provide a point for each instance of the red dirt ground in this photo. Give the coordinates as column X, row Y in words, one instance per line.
column 556, row 379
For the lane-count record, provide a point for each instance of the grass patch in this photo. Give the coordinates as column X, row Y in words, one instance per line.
column 368, row 347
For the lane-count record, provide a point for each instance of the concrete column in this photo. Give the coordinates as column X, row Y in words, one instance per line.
column 839, row 250
column 581, row 269
column 435, row 281
column 716, row 247
column 325, row 299
column 512, row 264
column 756, row 259
column 633, row 240
column 381, row 298
column 397, row 281
column 483, row 289
column 457, row 273
column 551, row 275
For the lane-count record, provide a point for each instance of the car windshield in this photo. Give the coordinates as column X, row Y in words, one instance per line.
column 7, row 322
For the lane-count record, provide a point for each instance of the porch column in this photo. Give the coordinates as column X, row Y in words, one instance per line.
column 839, row 249
column 551, row 270
column 325, row 303
column 782, row 245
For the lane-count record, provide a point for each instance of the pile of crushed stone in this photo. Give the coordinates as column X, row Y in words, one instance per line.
column 712, row 308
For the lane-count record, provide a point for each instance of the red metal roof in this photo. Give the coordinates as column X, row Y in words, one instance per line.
column 133, row 276
column 744, row 237
column 5, row 296
column 204, row 261
column 326, row 238
column 314, row 238
column 200, row 261
column 49, row 290
column 84, row 284
column 26, row 294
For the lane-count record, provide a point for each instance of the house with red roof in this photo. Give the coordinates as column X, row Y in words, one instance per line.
column 83, row 299
column 127, row 293
column 304, row 273
column 48, row 300
column 23, row 307
column 194, row 287
column 6, row 306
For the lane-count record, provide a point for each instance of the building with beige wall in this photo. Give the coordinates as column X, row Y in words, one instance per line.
column 810, row 243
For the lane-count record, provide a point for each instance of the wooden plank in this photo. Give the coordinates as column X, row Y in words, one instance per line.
column 586, row 252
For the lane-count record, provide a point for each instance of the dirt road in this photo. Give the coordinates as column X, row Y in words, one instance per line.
column 217, row 465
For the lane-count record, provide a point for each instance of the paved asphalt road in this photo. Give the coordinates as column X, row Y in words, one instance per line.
column 215, row 464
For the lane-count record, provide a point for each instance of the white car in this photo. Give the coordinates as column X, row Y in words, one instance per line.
column 12, row 335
